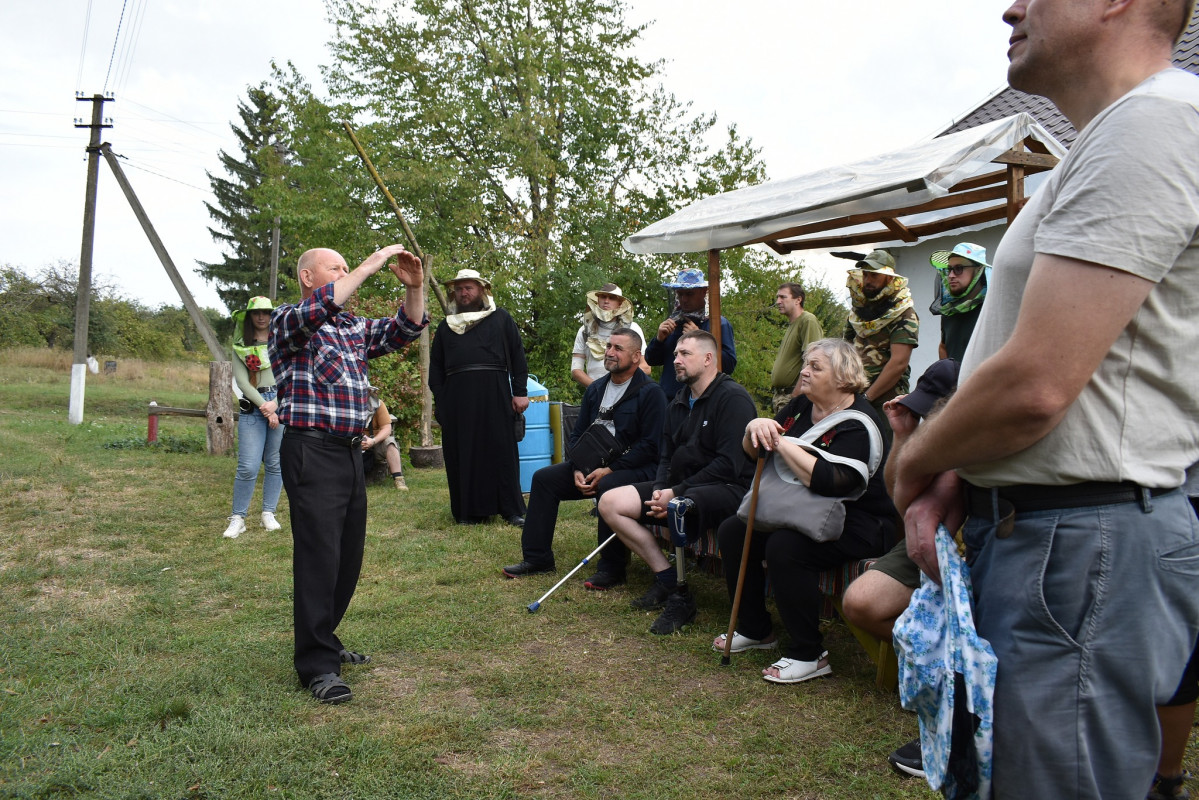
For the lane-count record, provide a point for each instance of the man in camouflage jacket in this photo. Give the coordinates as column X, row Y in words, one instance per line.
column 883, row 327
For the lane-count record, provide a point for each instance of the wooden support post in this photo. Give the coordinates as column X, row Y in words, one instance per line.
column 426, row 396
column 274, row 285
column 1015, row 191
column 427, row 454
column 220, row 407
column 1015, row 184
column 152, row 424
column 714, row 304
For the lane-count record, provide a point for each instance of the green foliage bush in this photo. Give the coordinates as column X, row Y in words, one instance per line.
column 397, row 375
column 40, row 312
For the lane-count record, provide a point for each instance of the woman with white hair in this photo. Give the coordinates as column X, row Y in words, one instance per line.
column 832, row 379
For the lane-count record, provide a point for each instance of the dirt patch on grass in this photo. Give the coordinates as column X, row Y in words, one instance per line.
column 60, row 595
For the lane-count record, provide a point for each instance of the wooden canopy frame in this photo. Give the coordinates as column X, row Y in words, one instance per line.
column 1005, row 185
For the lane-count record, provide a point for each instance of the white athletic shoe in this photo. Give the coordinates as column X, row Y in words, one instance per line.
column 237, row 526
column 269, row 522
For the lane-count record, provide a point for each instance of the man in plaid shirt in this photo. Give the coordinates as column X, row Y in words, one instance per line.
column 319, row 355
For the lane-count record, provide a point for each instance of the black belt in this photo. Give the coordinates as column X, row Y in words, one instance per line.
column 327, row 438
column 475, row 368
column 262, row 389
column 1033, row 497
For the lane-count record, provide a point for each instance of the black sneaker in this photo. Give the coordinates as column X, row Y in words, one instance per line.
column 653, row 599
column 907, row 760
column 526, row 568
column 604, row 580
column 1169, row 788
column 679, row 611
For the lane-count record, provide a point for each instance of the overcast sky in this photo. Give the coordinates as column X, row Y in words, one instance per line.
column 813, row 84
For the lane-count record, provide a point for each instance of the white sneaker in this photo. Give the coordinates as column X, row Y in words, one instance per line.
column 237, row 526
column 269, row 522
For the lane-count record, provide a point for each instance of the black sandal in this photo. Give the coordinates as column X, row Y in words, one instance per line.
column 330, row 688
column 350, row 657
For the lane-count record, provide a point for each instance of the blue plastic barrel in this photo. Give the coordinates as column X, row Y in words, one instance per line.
column 537, row 448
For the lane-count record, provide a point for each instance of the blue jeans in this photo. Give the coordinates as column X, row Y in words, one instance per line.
column 257, row 445
column 1092, row 612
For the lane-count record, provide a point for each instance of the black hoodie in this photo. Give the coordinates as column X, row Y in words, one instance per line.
column 701, row 443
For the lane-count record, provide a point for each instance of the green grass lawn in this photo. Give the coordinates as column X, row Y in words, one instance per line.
column 143, row 656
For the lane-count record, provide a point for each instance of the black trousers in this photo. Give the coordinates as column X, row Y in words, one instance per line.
column 795, row 563
column 326, row 493
column 555, row 483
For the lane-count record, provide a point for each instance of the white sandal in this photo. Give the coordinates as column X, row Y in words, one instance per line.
column 792, row 671
column 743, row 643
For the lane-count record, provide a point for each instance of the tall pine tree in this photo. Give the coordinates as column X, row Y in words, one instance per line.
column 241, row 225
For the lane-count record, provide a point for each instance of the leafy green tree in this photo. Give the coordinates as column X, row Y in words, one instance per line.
column 521, row 138
column 242, row 225
column 40, row 312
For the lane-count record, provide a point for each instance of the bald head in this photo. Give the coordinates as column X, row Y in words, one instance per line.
column 318, row 267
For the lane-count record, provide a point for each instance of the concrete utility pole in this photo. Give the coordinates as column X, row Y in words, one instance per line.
column 83, row 288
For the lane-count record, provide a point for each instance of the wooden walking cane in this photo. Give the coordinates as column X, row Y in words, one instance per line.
column 725, row 659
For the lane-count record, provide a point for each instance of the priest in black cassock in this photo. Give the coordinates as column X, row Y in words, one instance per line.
column 479, row 379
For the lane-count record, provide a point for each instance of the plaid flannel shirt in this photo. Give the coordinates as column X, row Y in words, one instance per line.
column 319, row 354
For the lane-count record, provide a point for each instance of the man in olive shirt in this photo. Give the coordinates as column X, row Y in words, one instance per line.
column 803, row 330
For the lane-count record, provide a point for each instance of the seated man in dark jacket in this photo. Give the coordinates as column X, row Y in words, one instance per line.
column 632, row 407
column 701, row 463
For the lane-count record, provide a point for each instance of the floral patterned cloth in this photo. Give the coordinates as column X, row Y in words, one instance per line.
column 939, row 647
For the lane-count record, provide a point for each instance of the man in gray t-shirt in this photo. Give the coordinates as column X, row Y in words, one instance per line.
column 1084, row 370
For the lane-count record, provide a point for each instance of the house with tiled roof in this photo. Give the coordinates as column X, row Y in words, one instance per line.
column 1008, row 101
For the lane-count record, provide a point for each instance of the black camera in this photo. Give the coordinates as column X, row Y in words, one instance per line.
column 681, row 317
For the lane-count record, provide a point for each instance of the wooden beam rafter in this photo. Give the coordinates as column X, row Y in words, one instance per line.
column 949, row 201
column 989, row 214
column 899, row 229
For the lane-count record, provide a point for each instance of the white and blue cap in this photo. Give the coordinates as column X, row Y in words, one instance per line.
column 689, row 279
column 971, row 252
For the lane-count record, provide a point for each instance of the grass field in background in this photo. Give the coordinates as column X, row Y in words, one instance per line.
column 143, row 656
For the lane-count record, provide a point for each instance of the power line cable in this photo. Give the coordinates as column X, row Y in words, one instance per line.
column 175, row 119
column 87, row 23
column 50, row 146
column 115, row 42
column 131, row 165
column 161, row 146
column 139, row 17
column 22, row 111
column 37, row 135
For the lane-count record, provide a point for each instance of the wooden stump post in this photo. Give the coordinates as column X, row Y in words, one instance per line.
column 220, row 407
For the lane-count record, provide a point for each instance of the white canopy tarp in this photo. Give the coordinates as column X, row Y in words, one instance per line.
column 897, row 179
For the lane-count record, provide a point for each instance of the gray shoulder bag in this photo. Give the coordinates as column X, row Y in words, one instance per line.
column 784, row 502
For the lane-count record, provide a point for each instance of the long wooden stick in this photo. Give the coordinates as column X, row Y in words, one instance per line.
column 399, row 214
column 725, row 659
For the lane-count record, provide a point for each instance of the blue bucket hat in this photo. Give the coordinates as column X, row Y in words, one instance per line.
column 689, row 279
column 968, row 251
